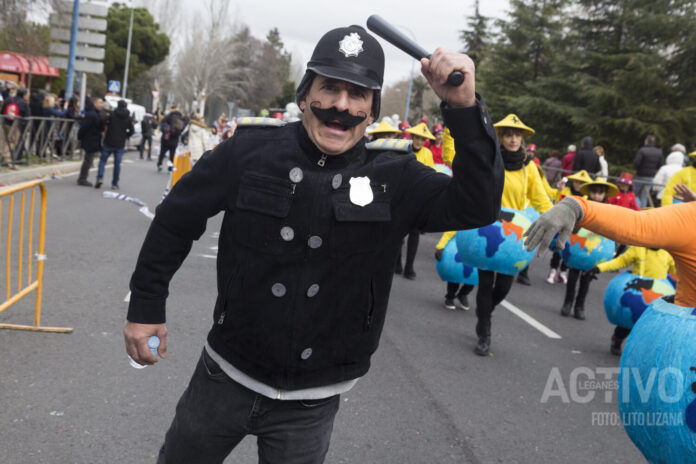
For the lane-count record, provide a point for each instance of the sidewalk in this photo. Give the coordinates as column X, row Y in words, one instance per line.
column 40, row 171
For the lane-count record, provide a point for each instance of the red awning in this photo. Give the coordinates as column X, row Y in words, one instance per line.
column 26, row 64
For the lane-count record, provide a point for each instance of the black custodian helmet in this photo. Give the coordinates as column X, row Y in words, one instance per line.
column 349, row 54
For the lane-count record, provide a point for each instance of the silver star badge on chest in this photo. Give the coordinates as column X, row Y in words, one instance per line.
column 351, row 45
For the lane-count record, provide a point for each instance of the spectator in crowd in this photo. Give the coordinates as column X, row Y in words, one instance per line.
column 120, row 127
column 172, row 127
column 604, row 171
column 436, row 146
column 673, row 164
column 552, row 168
column 567, row 161
column 53, row 129
column 587, row 158
column 198, row 137
column 647, row 161
column 90, row 135
column 147, row 127
column 14, row 106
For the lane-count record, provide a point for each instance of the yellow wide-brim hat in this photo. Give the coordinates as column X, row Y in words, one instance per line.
column 512, row 121
column 692, row 154
column 421, row 130
column 384, row 128
column 611, row 188
column 582, row 176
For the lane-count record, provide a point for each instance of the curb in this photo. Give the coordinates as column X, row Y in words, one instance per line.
column 38, row 172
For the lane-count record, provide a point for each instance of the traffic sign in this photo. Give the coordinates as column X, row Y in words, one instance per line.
column 93, row 38
column 94, row 53
column 93, row 67
column 155, row 94
column 115, row 86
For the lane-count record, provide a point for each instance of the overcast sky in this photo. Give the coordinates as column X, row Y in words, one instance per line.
column 302, row 22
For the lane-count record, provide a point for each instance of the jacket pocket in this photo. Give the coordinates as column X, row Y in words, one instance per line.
column 261, row 218
column 358, row 229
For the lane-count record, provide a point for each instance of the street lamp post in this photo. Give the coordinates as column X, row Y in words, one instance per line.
column 130, row 35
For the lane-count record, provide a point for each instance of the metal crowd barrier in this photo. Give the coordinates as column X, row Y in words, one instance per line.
column 18, row 250
column 649, row 185
column 47, row 139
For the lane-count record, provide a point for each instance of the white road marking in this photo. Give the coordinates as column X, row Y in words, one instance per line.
column 529, row 319
column 208, row 256
column 214, row 248
column 127, row 298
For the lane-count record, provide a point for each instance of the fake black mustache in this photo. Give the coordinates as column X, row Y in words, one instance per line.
column 332, row 114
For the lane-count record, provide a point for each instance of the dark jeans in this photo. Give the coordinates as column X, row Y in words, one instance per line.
column 585, row 279
column 118, row 155
column 163, row 150
column 411, row 250
column 621, row 332
column 141, row 147
column 215, row 413
column 87, row 162
column 493, row 288
column 556, row 261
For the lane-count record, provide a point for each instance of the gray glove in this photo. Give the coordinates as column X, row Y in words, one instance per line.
column 559, row 220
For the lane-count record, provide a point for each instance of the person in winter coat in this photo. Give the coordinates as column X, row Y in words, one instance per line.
column 90, row 135
column 647, row 161
column 147, row 128
column 120, row 127
column 567, row 161
column 552, row 168
column 604, row 171
column 625, row 197
column 673, row 164
column 685, row 176
column 51, row 110
column 13, row 106
column 522, row 188
column 197, row 138
column 587, row 158
column 419, row 134
column 172, row 126
column 652, row 263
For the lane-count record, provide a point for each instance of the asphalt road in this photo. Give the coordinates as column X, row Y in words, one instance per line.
column 427, row 398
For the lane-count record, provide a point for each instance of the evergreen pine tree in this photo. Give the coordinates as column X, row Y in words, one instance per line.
column 475, row 38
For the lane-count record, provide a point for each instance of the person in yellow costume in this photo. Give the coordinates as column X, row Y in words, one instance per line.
column 647, row 262
column 419, row 134
column 558, row 271
column 686, row 176
column 523, row 188
column 384, row 131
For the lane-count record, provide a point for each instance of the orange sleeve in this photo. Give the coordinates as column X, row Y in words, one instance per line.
column 671, row 227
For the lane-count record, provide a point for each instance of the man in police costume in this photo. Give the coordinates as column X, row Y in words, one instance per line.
column 313, row 221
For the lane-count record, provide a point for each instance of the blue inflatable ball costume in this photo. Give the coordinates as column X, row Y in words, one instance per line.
column 444, row 169
column 498, row 247
column 585, row 249
column 451, row 268
column 657, row 384
column 628, row 295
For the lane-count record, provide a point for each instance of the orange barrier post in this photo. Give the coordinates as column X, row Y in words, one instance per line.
column 32, row 283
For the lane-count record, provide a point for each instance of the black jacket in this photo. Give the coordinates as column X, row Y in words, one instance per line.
column 648, row 160
column 147, row 126
column 22, row 107
column 90, row 133
column 587, row 158
column 120, row 127
column 303, row 273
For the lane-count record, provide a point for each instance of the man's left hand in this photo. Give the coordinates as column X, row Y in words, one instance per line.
column 438, row 68
column 684, row 193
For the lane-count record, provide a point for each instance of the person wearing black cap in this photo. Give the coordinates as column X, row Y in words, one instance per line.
column 313, row 218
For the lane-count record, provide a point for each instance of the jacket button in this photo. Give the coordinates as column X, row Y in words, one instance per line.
column 287, row 233
column 306, row 353
column 313, row 290
column 296, row 175
column 314, row 241
column 336, row 181
column 278, row 290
